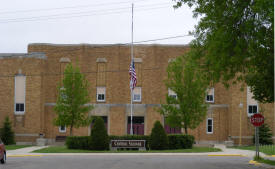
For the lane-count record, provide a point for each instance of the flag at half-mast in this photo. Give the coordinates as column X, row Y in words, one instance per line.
column 133, row 76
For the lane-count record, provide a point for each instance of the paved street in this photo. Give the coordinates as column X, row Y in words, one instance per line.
column 128, row 162
column 227, row 159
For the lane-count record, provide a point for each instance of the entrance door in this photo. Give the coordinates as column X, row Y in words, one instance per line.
column 138, row 125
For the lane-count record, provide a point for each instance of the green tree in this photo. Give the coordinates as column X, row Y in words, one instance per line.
column 265, row 135
column 234, row 40
column 188, row 109
column 100, row 138
column 158, row 138
column 73, row 96
column 6, row 133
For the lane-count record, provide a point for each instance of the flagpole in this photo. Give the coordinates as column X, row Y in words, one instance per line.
column 132, row 57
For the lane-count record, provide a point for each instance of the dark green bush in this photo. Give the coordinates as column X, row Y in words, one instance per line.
column 180, row 141
column 6, row 133
column 99, row 136
column 158, row 137
column 265, row 135
column 78, row 142
column 133, row 137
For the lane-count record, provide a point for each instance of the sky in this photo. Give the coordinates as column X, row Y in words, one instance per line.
column 92, row 22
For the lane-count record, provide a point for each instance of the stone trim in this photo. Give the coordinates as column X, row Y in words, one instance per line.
column 49, row 104
column 171, row 60
column 108, row 45
column 244, row 137
column 38, row 55
column 113, row 105
column 27, row 134
column 64, row 60
column 138, row 105
column 218, row 106
column 100, row 60
column 138, row 60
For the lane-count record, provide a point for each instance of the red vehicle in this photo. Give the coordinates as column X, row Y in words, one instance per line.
column 3, row 156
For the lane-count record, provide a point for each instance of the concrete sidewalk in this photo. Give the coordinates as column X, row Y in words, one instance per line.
column 225, row 152
column 23, row 151
column 247, row 153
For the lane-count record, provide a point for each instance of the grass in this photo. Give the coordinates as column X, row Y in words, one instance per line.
column 266, row 161
column 14, row 147
column 64, row 149
column 267, row 149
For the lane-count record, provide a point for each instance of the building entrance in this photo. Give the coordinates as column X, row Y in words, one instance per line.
column 138, row 125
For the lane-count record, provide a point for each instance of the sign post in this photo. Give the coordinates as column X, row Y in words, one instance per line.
column 257, row 120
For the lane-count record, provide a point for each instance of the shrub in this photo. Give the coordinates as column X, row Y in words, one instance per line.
column 180, row 141
column 6, row 133
column 78, row 142
column 99, row 136
column 158, row 138
column 133, row 137
column 265, row 135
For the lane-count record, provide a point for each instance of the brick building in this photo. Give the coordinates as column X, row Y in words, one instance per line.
column 28, row 92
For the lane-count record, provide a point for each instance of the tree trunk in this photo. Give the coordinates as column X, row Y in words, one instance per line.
column 185, row 129
column 71, row 130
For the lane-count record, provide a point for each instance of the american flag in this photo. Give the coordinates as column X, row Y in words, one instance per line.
column 133, row 76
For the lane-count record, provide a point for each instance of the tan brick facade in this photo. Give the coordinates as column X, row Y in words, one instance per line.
column 107, row 66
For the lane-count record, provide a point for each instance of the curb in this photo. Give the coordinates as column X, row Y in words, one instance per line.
column 24, row 155
column 239, row 155
column 254, row 162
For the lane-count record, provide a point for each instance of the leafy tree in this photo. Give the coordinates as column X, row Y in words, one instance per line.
column 72, row 97
column 6, row 133
column 265, row 135
column 188, row 109
column 158, row 138
column 100, row 138
column 234, row 40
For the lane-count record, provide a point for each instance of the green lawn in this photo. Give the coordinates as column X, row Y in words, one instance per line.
column 63, row 149
column 267, row 149
column 13, row 147
column 266, row 161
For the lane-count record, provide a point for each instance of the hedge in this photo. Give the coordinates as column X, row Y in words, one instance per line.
column 180, row 141
column 79, row 142
column 175, row 141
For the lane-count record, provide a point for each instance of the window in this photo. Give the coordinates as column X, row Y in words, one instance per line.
column 62, row 129
column 209, row 126
column 171, row 93
column 137, row 94
column 19, row 94
column 63, row 93
column 252, row 109
column 210, row 95
column 252, row 104
column 100, row 94
column 19, row 107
